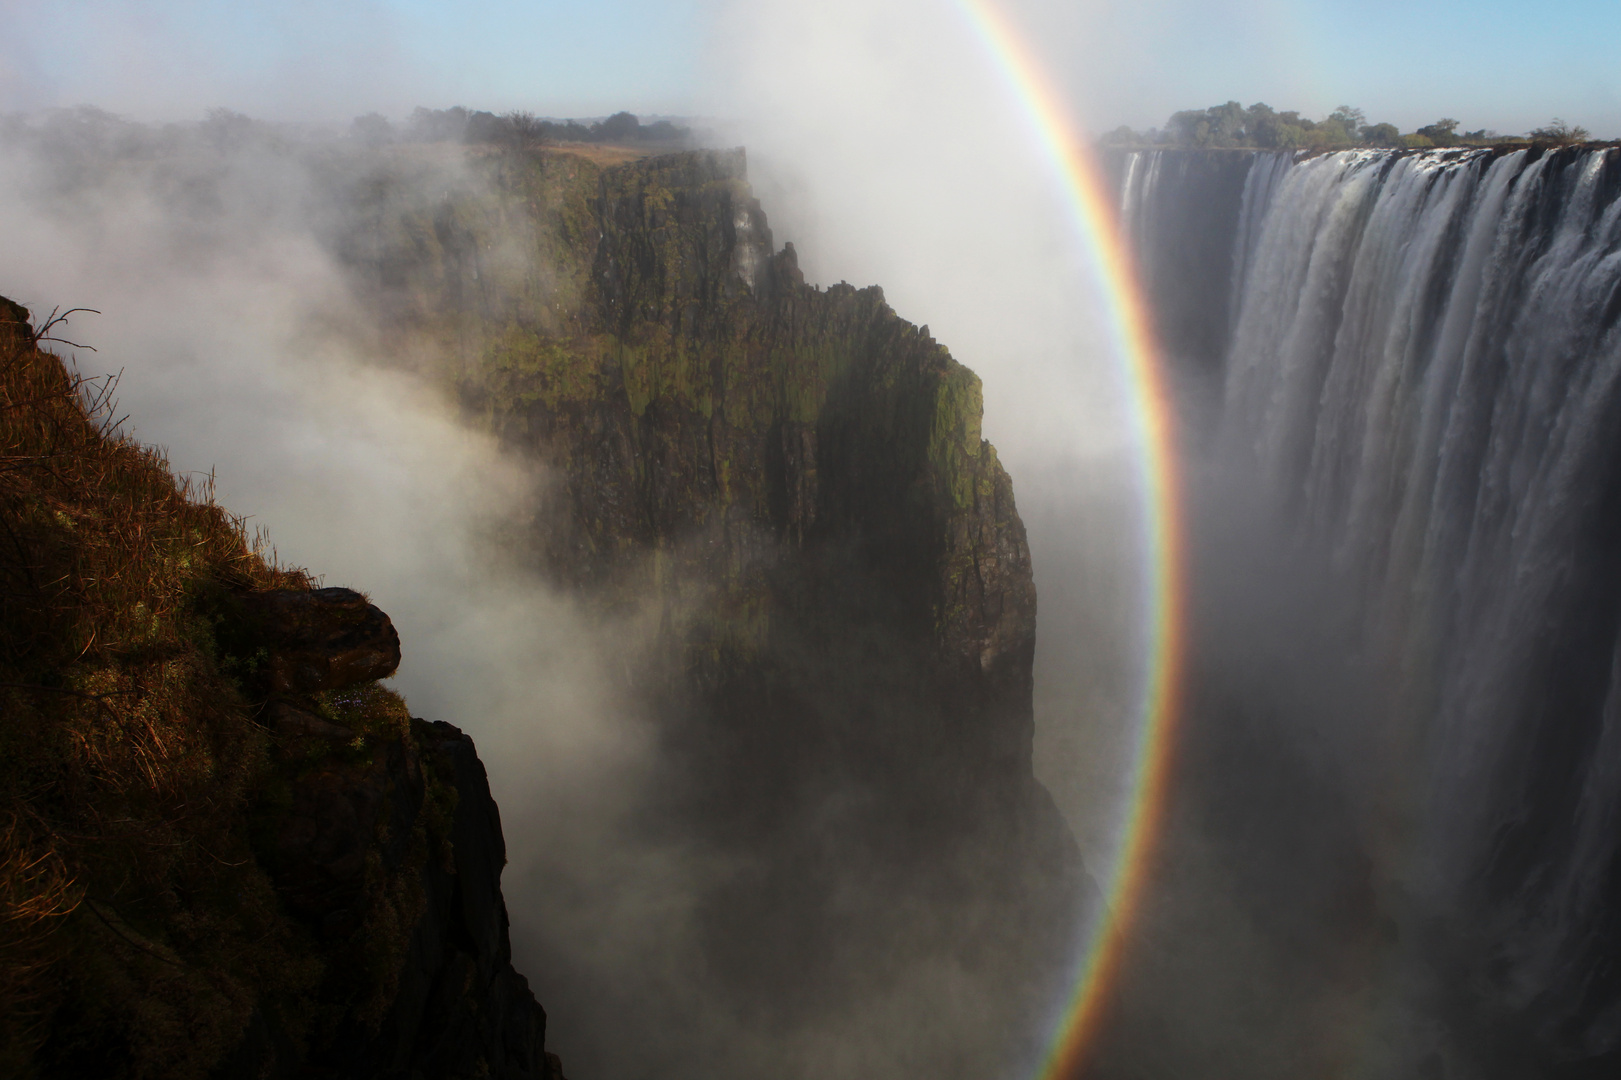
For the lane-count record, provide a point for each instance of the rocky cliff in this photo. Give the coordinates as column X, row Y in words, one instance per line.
column 225, row 848
column 793, row 480
column 231, row 852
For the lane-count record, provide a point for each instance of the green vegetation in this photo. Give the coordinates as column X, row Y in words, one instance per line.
column 517, row 129
column 1262, row 127
column 1558, row 131
column 692, row 394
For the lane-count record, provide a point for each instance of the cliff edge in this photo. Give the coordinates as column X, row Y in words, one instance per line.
column 225, row 849
column 792, row 484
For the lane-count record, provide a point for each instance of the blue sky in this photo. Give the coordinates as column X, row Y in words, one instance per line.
column 1503, row 64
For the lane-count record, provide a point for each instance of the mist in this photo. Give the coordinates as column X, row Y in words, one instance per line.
column 883, row 145
column 889, row 151
column 897, row 155
column 1294, row 926
column 242, row 351
column 246, row 347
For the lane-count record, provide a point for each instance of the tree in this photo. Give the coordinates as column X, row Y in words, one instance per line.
column 663, row 131
column 1349, row 118
column 1440, row 133
column 618, row 128
column 436, row 125
column 483, row 127
column 1219, row 125
column 1337, row 130
column 1265, row 127
column 1558, row 131
column 1381, row 134
column 1289, row 136
column 1227, row 123
column 1342, row 127
column 521, row 130
column 1185, row 127
column 226, row 129
column 373, row 129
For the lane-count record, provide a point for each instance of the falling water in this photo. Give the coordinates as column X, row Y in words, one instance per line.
column 1420, row 366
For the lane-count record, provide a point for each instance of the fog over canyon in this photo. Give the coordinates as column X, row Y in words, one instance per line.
column 762, row 500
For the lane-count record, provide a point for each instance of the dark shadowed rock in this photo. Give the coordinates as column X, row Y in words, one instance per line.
column 388, row 848
column 460, row 1010
column 293, row 722
column 256, row 864
column 346, row 849
column 323, row 639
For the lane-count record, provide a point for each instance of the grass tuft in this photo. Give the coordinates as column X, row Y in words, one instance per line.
column 137, row 928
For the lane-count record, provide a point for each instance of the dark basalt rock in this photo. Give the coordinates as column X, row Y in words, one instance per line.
column 293, row 722
column 230, row 851
column 391, row 854
column 460, row 1009
column 323, row 843
column 323, row 639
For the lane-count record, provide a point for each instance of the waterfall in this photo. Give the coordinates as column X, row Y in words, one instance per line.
column 1182, row 247
column 1266, row 172
column 1420, row 365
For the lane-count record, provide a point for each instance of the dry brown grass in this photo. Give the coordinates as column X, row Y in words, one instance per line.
column 604, row 154
column 135, row 924
column 597, row 153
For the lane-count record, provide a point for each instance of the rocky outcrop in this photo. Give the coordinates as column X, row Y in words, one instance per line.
column 322, row 639
column 794, row 482
column 701, row 401
column 389, row 850
column 456, row 1007
column 225, row 849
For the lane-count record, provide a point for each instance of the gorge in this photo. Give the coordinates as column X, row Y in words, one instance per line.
column 1396, row 819
column 718, row 570
column 796, row 590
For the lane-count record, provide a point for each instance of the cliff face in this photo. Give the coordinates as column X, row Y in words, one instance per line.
column 230, row 852
column 794, row 480
column 225, row 849
column 702, row 404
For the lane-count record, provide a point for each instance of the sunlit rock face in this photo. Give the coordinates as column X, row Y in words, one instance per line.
column 1401, row 751
column 790, row 484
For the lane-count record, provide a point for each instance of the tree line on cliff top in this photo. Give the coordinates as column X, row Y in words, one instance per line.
column 76, row 131
column 516, row 128
column 1261, row 126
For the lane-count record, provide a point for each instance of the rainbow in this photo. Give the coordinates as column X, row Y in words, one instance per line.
column 1094, row 215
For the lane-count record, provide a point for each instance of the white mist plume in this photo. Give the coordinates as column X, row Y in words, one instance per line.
column 243, row 354
column 210, row 254
column 885, row 145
